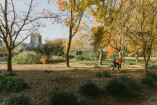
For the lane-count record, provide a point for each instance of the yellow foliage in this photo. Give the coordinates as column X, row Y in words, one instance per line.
column 43, row 59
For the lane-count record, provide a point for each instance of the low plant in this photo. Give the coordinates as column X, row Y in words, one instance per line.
column 56, row 59
column 9, row 74
column 106, row 74
column 48, row 71
column 80, row 58
column 61, row 78
column 18, row 99
column 131, row 63
column 147, row 80
column 151, row 75
column 63, row 98
column 152, row 66
column 121, row 87
column 12, row 85
column 43, row 59
column 89, row 89
column 27, row 57
column 98, row 74
column 96, row 66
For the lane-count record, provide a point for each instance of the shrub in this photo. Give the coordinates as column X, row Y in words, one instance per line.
column 152, row 66
column 27, row 57
column 121, row 87
column 43, row 59
column 89, row 89
column 79, row 58
column 48, row 71
column 61, row 78
column 56, row 59
column 147, row 80
column 106, row 74
column 71, row 57
column 98, row 74
column 79, row 53
column 152, row 75
column 18, row 99
column 63, row 98
column 12, row 84
column 96, row 66
column 10, row 74
column 131, row 64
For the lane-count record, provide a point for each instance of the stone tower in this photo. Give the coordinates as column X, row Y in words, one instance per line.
column 36, row 39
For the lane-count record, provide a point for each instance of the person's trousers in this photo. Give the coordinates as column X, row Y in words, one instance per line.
column 115, row 65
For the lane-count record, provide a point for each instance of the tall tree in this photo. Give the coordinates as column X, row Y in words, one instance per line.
column 101, row 39
column 75, row 10
column 15, row 26
column 142, row 26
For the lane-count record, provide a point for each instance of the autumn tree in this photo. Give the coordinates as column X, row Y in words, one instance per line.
column 110, row 50
column 134, row 48
column 142, row 26
column 15, row 26
column 108, row 14
column 101, row 39
column 75, row 10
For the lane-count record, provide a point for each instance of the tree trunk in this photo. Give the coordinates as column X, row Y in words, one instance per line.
column 136, row 55
column 146, row 66
column 100, row 57
column 9, row 63
column 146, row 63
column 69, row 46
column 120, row 55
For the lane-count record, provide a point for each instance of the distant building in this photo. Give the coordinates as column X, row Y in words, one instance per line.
column 35, row 42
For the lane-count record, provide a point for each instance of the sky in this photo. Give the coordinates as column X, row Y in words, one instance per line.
column 50, row 31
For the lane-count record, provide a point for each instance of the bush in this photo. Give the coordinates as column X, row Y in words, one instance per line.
column 131, row 64
column 12, row 84
column 80, row 58
column 152, row 75
column 96, row 66
column 10, row 74
column 106, row 74
column 61, row 78
column 79, row 53
column 89, row 89
column 18, row 99
column 98, row 74
column 56, row 59
column 152, row 66
column 147, row 80
column 63, row 98
column 71, row 57
column 27, row 57
column 121, row 87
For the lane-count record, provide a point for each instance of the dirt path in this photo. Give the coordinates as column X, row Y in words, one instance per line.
column 53, row 66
